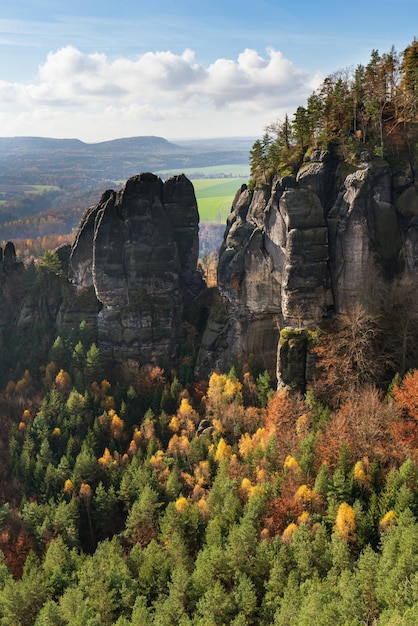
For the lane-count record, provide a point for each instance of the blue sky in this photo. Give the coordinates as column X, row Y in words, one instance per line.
column 100, row 69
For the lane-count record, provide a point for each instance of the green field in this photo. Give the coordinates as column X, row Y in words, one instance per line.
column 214, row 197
column 233, row 169
column 42, row 188
column 23, row 188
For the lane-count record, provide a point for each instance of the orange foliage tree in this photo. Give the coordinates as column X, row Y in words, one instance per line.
column 405, row 429
column 406, row 394
column 362, row 426
column 281, row 420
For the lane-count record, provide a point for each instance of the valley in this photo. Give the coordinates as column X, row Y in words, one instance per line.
column 46, row 184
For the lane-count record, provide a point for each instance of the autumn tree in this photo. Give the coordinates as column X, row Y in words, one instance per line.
column 348, row 355
column 406, row 394
column 345, row 522
column 361, row 427
column 283, row 411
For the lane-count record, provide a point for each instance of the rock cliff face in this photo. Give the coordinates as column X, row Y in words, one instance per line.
column 137, row 250
column 9, row 267
column 294, row 252
column 306, row 247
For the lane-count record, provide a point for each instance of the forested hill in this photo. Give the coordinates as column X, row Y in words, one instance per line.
column 40, row 160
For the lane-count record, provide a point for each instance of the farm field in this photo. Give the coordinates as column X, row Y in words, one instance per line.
column 210, row 171
column 13, row 191
column 15, row 188
column 214, row 197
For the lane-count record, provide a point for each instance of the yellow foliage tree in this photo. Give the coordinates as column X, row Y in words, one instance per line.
column 137, row 436
column 104, row 388
column 202, row 473
column 304, row 518
column 248, row 444
column 157, row 461
column 174, row 424
column 116, row 425
column 203, row 507
column 345, row 522
column 261, row 474
column 188, row 480
column 186, row 410
column 245, row 488
column 304, row 495
column 68, row 487
column 223, row 450
column 178, row 446
column 387, row 521
column 288, row 533
column 181, row 504
column 256, row 490
column 291, row 463
column 106, row 460
column 26, row 416
column 360, row 473
column 222, row 390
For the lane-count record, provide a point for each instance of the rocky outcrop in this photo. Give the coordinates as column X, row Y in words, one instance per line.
column 294, row 252
column 137, row 250
column 307, row 247
column 8, row 263
column 365, row 236
column 273, row 264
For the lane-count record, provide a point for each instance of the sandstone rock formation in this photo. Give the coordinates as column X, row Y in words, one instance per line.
column 294, row 252
column 306, row 247
column 137, row 250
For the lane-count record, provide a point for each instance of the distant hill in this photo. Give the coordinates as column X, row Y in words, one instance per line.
column 46, row 183
column 34, row 144
column 149, row 152
column 73, row 164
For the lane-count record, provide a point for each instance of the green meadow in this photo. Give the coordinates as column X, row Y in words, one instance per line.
column 214, row 197
column 216, row 171
column 215, row 187
column 37, row 189
column 11, row 191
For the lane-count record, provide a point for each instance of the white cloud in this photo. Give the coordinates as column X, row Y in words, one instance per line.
column 158, row 91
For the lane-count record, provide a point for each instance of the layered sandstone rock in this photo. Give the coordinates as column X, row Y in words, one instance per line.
column 365, row 237
column 308, row 247
column 300, row 249
column 137, row 249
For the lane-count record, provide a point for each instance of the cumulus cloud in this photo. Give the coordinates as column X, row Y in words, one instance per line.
column 160, row 86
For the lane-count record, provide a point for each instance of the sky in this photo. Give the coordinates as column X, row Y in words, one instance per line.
column 104, row 69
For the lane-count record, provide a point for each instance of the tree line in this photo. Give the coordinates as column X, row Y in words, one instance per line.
column 374, row 104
